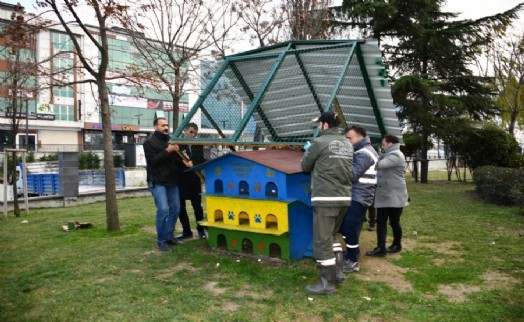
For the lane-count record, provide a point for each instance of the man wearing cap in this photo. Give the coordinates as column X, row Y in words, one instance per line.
column 329, row 159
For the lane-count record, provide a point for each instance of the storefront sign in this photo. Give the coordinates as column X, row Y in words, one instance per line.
column 31, row 116
column 114, row 127
column 166, row 105
column 125, row 90
column 128, row 101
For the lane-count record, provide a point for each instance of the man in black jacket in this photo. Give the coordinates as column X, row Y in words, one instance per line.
column 164, row 170
column 192, row 188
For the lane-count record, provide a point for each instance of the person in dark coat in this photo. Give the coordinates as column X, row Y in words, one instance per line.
column 191, row 189
column 164, row 171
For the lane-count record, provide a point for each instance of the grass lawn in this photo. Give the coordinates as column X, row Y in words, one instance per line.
column 464, row 263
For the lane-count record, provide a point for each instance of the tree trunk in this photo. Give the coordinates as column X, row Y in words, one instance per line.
column 424, row 158
column 112, row 219
column 16, row 206
column 415, row 169
column 176, row 99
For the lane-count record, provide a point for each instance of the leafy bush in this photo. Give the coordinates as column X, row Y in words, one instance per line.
column 88, row 160
column 503, row 186
column 118, row 161
column 49, row 157
column 30, row 157
column 488, row 146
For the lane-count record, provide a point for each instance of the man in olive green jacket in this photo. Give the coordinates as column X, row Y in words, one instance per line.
column 329, row 159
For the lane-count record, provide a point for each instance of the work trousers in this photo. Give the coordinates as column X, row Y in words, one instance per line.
column 326, row 223
column 351, row 227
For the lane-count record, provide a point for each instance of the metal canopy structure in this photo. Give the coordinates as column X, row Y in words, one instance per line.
column 268, row 96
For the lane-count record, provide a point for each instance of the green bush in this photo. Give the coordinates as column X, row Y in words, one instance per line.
column 49, row 157
column 118, row 161
column 488, row 146
column 88, row 160
column 503, row 186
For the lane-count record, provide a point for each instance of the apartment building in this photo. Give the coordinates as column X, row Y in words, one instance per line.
column 68, row 118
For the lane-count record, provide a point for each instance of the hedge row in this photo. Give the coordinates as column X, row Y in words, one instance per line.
column 503, row 186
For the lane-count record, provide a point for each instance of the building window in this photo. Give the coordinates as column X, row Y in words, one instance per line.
column 63, row 48
column 64, row 112
column 66, row 91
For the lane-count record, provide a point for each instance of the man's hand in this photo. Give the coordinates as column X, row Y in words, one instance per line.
column 172, row 148
column 306, row 146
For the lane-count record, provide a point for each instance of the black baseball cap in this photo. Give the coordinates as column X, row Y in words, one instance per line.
column 328, row 117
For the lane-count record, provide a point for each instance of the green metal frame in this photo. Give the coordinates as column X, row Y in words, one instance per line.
column 371, row 94
column 256, row 99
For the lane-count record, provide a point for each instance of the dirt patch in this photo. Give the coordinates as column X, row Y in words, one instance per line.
column 212, row 287
column 230, row 306
column 492, row 280
column 149, row 229
column 170, row 271
column 246, row 291
column 446, row 248
column 457, row 292
column 377, row 269
column 381, row 270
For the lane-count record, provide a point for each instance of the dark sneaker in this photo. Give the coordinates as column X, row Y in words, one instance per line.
column 372, row 228
column 202, row 235
column 185, row 235
column 174, row 242
column 164, row 247
column 351, row 266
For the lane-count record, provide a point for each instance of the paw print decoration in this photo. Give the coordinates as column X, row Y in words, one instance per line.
column 258, row 218
column 230, row 215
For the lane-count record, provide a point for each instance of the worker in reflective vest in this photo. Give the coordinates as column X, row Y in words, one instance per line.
column 364, row 182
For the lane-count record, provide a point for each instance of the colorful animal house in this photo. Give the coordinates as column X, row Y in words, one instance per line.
column 258, row 203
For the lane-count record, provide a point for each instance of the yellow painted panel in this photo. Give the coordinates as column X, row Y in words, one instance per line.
column 243, row 228
column 257, row 214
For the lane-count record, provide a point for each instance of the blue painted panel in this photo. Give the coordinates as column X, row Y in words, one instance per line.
column 247, row 179
column 300, row 231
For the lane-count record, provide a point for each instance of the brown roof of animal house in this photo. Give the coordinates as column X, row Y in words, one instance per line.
column 283, row 160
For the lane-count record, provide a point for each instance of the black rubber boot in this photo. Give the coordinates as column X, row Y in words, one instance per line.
column 327, row 281
column 340, row 277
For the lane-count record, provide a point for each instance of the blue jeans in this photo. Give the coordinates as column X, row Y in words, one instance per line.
column 167, row 203
column 351, row 227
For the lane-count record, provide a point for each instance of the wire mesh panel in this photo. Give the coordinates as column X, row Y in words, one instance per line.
column 269, row 96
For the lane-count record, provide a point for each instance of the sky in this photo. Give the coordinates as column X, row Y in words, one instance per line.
column 470, row 9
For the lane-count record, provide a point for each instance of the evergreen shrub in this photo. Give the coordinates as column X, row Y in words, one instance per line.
column 503, row 186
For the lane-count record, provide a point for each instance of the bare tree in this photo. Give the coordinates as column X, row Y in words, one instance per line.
column 17, row 85
column 308, row 19
column 263, row 21
column 78, row 18
column 170, row 35
column 507, row 59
